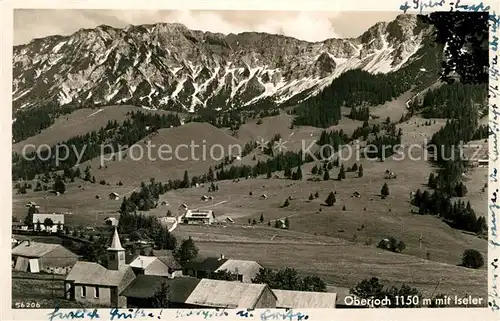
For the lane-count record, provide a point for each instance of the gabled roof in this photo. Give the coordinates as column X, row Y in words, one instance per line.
column 216, row 293
column 116, row 245
column 36, row 249
column 142, row 261
column 95, row 274
column 56, row 218
column 145, row 286
column 242, row 266
column 171, row 262
column 208, row 264
column 302, row 299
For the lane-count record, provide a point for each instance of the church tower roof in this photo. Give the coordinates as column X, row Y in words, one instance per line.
column 115, row 242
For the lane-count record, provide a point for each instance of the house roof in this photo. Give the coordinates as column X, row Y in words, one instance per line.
column 216, row 293
column 208, row 264
column 199, row 214
column 145, row 286
column 142, row 261
column 34, row 249
column 56, row 218
column 241, row 266
column 96, row 274
column 115, row 242
column 170, row 261
column 302, row 299
column 341, row 293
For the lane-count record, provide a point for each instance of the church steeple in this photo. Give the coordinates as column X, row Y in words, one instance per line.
column 116, row 253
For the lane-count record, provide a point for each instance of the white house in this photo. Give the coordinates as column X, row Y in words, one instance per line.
column 57, row 220
column 114, row 196
column 199, row 217
column 113, row 221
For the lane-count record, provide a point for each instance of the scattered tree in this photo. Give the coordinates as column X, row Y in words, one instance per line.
column 187, row 251
column 385, row 190
column 330, row 200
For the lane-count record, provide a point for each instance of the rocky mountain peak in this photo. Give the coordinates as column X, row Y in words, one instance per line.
column 167, row 65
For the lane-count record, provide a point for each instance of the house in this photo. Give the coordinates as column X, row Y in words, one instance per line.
column 204, row 198
column 263, row 196
column 140, row 292
column 56, row 222
column 226, row 294
column 93, row 284
column 16, row 225
column 14, row 242
column 189, row 292
column 483, row 162
column 356, row 194
column 199, row 217
column 165, row 266
column 164, row 203
column 114, row 196
column 245, row 270
column 168, row 221
column 32, row 204
column 281, row 223
column 390, row 175
column 287, row 299
column 113, row 221
column 37, row 257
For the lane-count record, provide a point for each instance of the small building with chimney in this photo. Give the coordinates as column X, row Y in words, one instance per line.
column 245, row 270
column 93, row 284
column 166, row 266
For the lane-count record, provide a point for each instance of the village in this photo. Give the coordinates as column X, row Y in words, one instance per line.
column 133, row 280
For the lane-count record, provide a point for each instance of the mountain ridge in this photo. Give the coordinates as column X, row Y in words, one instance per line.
column 169, row 66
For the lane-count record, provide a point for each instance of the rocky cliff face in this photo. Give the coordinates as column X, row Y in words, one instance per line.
column 169, row 66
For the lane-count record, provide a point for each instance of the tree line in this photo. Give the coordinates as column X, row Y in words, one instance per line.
column 457, row 214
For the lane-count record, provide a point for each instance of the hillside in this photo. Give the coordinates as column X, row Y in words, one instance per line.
column 132, row 169
column 80, row 122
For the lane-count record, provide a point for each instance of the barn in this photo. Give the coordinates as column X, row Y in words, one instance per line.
column 38, row 257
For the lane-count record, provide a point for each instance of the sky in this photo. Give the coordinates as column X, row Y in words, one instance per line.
column 310, row 26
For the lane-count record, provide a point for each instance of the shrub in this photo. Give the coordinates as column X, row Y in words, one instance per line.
column 472, row 259
column 385, row 190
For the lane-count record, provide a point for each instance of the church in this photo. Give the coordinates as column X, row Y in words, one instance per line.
column 95, row 285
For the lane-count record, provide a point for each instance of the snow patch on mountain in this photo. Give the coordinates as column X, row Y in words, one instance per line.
column 169, row 66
